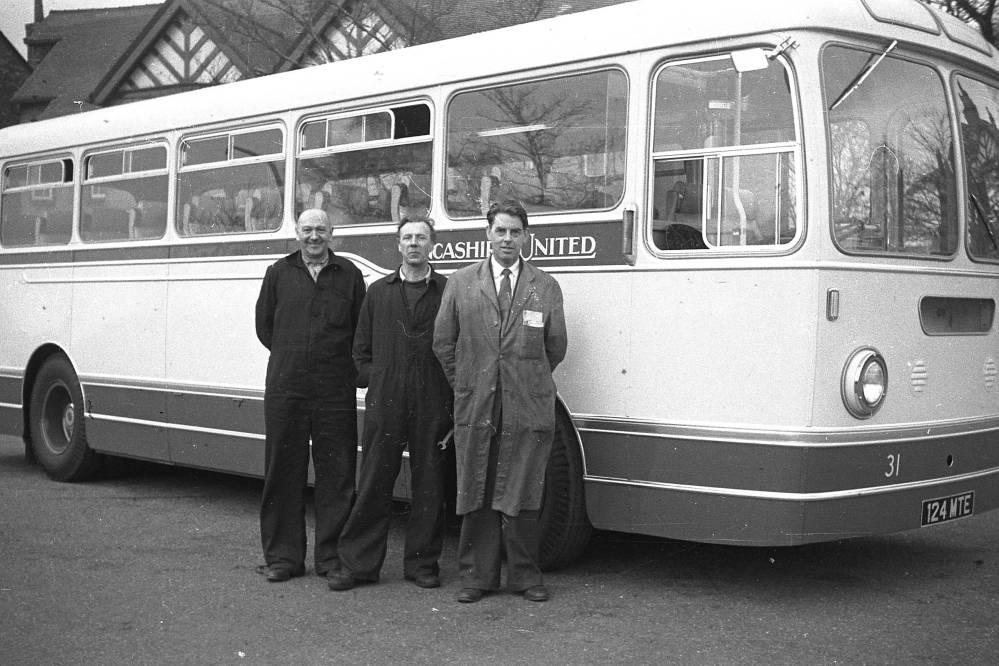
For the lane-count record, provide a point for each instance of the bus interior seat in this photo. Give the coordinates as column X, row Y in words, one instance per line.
column 262, row 210
column 680, row 236
column 55, row 227
column 331, row 199
column 20, row 229
column 106, row 223
column 150, row 221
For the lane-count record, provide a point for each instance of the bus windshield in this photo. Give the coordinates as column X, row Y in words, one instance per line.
column 893, row 184
column 978, row 108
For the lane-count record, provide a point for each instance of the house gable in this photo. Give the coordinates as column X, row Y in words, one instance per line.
column 179, row 51
column 349, row 35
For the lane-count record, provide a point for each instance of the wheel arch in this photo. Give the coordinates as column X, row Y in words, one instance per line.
column 562, row 412
column 565, row 526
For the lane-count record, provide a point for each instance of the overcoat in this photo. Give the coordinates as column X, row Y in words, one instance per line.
column 475, row 352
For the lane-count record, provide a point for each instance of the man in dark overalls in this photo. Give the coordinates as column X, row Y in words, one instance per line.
column 306, row 314
column 408, row 404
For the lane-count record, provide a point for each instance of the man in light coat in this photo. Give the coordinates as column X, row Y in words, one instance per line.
column 499, row 334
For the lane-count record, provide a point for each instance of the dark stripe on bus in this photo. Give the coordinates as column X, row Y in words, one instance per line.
column 10, row 389
column 581, row 244
column 782, row 467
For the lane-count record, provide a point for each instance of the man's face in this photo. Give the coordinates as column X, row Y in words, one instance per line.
column 415, row 244
column 506, row 238
column 314, row 236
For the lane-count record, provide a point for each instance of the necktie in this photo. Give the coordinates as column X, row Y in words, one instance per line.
column 505, row 295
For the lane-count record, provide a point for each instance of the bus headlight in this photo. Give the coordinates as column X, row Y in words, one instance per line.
column 865, row 383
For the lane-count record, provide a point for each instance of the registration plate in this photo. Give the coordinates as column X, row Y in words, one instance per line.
column 942, row 509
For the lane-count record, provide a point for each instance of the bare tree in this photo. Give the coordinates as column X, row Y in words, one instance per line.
column 980, row 12
column 281, row 27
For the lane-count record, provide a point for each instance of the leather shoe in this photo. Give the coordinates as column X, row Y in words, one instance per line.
column 536, row 593
column 341, row 582
column 276, row 574
column 469, row 595
column 427, row 581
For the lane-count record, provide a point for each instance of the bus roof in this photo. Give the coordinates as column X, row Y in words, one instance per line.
column 629, row 27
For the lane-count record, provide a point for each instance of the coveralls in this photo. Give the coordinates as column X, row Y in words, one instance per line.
column 308, row 326
column 408, row 403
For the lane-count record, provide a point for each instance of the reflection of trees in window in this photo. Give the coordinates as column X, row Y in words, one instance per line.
column 929, row 219
column 891, row 155
column 978, row 105
column 851, row 179
column 554, row 145
column 546, row 121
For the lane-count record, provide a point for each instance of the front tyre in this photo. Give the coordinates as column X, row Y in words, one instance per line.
column 565, row 529
column 58, row 435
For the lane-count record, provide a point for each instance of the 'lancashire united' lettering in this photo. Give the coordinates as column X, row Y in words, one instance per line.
column 539, row 249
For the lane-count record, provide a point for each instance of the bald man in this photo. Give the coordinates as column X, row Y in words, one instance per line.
column 306, row 314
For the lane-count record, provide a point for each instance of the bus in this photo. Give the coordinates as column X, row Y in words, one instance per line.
column 774, row 225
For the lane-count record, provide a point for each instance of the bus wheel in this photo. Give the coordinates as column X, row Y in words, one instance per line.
column 565, row 529
column 57, row 431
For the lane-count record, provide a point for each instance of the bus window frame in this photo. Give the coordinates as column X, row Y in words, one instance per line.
column 720, row 153
column 536, row 76
column 964, row 212
column 904, row 54
column 230, row 131
column 234, row 161
column 300, row 154
column 43, row 191
column 101, row 181
column 354, row 145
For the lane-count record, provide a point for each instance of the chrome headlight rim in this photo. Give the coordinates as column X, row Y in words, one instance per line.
column 852, row 385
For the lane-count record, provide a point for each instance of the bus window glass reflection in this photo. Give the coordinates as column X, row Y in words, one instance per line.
column 893, row 181
column 554, row 145
column 725, row 150
column 367, row 168
column 232, row 183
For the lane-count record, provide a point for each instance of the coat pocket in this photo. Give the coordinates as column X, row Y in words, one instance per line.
column 531, row 342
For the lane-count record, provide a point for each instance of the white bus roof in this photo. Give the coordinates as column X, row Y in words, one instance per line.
column 629, row 27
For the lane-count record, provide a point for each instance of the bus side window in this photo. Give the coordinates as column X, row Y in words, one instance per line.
column 367, row 168
column 37, row 204
column 555, row 145
column 724, row 151
column 231, row 182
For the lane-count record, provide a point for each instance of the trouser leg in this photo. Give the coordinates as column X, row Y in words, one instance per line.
column 365, row 536
column 334, row 456
column 521, row 537
column 286, row 465
column 480, row 545
column 479, row 549
column 425, row 525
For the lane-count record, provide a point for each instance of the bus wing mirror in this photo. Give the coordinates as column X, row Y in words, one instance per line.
column 749, row 60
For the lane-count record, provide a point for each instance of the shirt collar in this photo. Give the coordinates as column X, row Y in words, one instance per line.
column 425, row 278
column 498, row 269
column 322, row 262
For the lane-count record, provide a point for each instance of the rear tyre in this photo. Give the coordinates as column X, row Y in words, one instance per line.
column 565, row 529
column 58, row 435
